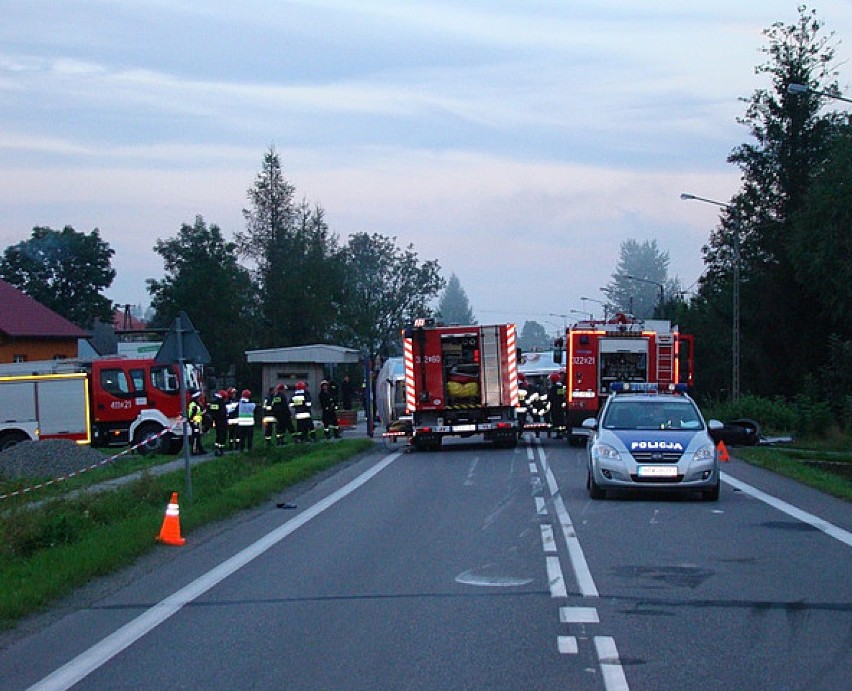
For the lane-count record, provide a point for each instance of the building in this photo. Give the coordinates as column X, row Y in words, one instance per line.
column 299, row 363
column 30, row 331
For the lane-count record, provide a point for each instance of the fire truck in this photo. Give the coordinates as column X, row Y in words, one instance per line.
column 110, row 401
column 620, row 349
column 460, row 381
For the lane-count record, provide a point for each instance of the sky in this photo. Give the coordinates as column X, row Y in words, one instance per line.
column 518, row 144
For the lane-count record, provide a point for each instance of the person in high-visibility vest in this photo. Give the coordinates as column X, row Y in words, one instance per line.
column 232, row 406
column 245, row 421
column 268, row 421
column 521, row 410
column 301, row 402
column 556, row 397
column 195, row 415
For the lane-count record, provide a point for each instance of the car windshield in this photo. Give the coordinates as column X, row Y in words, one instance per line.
column 652, row 414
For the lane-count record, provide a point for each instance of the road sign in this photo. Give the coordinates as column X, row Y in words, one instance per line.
column 183, row 344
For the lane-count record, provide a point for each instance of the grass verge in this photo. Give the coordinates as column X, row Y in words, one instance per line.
column 48, row 551
column 829, row 472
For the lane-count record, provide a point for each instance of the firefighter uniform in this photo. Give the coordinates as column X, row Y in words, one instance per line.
column 233, row 428
column 328, row 404
column 556, row 396
column 268, row 420
column 281, row 411
column 195, row 415
column 301, row 402
column 537, row 406
column 219, row 412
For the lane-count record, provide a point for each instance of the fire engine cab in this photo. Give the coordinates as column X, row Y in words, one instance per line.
column 620, row 349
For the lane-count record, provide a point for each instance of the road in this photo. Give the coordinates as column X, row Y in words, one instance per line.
column 476, row 568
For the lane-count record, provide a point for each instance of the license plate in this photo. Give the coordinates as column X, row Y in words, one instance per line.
column 657, row 471
column 464, row 428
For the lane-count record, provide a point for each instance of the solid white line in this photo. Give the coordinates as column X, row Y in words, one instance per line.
column 828, row 528
column 578, row 560
column 93, row 658
column 611, row 669
column 555, row 578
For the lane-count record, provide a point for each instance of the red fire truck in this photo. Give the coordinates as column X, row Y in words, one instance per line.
column 622, row 349
column 106, row 401
column 460, row 381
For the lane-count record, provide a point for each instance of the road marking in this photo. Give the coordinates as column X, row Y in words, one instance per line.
column 555, row 579
column 829, row 529
column 533, row 469
column 100, row 653
column 540, row 506
column 611, row 669
column 578, row 615
column 575, row 552
column 547, row 540
column 468, row 481
column 567, row 644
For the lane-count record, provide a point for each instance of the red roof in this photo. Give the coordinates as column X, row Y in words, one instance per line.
column 21, row 316
column 119, row 322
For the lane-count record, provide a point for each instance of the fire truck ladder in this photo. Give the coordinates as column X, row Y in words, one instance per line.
column 665, row 358
column 490, row 366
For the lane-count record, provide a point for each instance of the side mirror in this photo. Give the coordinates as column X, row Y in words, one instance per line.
column 715, row 425
column 590, row 423
column 558, row 345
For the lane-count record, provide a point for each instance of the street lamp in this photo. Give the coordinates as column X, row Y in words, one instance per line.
column 584, row 313
column 656, row 283
column 797, row 89
column 735, row 326
column 605, row 305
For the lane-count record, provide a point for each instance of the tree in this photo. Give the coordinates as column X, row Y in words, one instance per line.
column 454, row 307
column 204, row 279
column 646, row 262
column 385, row 288
column 297, row 259
column 64, row 270
column 790, row 146
column 534, row 337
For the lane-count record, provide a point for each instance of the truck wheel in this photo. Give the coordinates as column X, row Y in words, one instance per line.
column 148, row 440
column 8, row 440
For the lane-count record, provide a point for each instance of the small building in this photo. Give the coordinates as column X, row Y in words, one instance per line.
column 30, row 331
column 299, row 363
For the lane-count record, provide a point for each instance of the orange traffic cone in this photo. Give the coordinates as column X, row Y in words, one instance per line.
column 170, row 532
column 723, row 451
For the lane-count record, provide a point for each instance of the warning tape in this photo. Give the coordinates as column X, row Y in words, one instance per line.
column 109, row 459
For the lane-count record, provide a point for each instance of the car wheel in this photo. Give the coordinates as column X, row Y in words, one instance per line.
column 711, row 494
column 595, row 490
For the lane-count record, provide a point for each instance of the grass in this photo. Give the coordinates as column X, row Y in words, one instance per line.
column 828, row 470
column 49, row 550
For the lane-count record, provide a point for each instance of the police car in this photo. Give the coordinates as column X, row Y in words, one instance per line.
column 647, row 438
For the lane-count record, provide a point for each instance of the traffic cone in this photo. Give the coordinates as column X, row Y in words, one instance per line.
column 170, row 532
column 723, row 451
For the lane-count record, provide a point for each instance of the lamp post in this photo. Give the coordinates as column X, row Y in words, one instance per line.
column 735, row 326
column 600, row 302
column 584, row 313
column 797, row 89
column 656, row 283
column 564, row 318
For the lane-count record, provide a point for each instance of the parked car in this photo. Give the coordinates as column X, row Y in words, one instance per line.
column 650, row 439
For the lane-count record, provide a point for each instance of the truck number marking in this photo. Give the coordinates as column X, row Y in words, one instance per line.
column 583, row 360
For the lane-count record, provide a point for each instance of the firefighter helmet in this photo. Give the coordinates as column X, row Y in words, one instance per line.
column 279, row 388
column 522, row 378
column 555, row 376
column 246, row 393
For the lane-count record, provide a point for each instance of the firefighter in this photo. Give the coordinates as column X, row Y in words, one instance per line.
column 521, row 410
column 281, row 411
column 537, row 405
column 301, row 402
column 232, row 406
column 328, row 404
column 556, row 397
column 219, row 412
column 245, row 421
column 268, row 420
column 195, row 415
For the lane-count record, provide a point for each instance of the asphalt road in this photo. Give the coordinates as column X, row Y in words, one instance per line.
column 475, row 568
